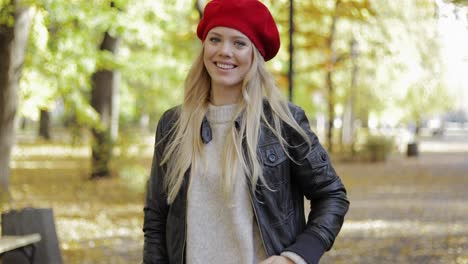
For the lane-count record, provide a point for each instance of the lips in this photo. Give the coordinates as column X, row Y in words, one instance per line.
column 225, row 66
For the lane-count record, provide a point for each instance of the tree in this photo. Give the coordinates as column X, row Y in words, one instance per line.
column 14, row 29
column 61, row 57
column 104, row 101
column 405, row 84
column 425, row 95
column 44, row 124
column 459, row 2
column 323, row 52
column 291, row 51
column 332, row 61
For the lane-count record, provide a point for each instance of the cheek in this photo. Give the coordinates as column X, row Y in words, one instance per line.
column 205, row 57
column 247, row 61
column 207, row 54
column 248, row 58
column 208, row 50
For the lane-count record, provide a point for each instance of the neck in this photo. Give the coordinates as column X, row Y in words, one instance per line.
column 221, row 95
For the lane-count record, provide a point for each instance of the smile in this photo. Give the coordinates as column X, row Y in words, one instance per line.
column 225, row 66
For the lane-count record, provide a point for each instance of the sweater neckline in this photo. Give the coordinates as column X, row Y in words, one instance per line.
column 221, row 113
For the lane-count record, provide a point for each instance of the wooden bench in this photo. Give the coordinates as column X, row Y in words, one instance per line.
column 12, row 243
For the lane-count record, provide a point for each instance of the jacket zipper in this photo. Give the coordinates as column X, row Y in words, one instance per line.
column 258, row 223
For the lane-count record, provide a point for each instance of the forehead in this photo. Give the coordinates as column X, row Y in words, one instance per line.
column 227, row 32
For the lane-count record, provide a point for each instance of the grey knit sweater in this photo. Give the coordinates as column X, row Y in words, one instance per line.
column 220, row 229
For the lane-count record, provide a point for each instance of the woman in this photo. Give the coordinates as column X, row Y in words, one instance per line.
column 233, row 163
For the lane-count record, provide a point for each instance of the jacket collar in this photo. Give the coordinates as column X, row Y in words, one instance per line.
column 205, row 129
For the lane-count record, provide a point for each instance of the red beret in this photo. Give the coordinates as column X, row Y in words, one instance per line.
column 250, row 17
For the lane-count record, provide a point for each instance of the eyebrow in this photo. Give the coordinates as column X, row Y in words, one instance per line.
column 235, row 36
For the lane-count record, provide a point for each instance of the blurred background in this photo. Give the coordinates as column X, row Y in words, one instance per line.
column 384, row 84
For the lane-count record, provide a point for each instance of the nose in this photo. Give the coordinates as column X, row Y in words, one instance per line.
column 226, row 49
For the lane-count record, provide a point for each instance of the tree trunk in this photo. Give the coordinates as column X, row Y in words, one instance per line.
column 103, row 99
column 348, row 129
column 13, row 40
column 44, row 124
column 331, row 110
column 332, row 59
column 291, row 50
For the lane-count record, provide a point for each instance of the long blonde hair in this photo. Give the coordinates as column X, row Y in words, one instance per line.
column 239, row 155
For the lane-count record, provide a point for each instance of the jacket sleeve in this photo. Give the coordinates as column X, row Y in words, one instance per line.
column 321, row 185
column 156, row 207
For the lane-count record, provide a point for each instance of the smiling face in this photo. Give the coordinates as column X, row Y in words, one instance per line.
column 227, row 58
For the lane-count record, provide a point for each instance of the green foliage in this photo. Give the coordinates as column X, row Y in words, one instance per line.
column 312, row 28
column 459, row 2
column 397, row 55
column 401, row 68
column 63, row 52
column 7, row 13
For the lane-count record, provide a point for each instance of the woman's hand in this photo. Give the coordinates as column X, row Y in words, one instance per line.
column 277, row 260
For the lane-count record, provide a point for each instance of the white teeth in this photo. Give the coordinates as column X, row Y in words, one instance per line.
column 225, row 66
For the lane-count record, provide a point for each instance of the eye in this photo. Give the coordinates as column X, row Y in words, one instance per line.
column 214, row 39
column 240, row 43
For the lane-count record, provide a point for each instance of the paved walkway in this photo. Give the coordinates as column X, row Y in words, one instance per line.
column 408, row 210
column 402, row 211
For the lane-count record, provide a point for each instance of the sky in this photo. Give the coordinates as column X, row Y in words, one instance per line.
column 453, row 30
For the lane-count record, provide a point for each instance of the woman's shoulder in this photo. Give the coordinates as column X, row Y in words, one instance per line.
column 170, row 115
column 295, row 109
column 168, row 119
column 292, row 107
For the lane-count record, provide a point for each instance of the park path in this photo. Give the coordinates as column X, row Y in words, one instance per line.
column 408, row 210
column 404, row 210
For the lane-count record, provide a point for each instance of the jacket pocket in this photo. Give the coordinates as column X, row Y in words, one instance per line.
column 272, row 155
column 318, row 157
column 275, row 167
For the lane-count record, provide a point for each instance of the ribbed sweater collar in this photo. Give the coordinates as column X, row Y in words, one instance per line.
column 220, row 114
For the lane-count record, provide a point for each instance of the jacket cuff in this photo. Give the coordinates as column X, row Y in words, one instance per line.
column 294, row 257
column 309, row 247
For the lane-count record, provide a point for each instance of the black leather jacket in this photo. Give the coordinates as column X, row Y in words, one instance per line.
column 280, row 214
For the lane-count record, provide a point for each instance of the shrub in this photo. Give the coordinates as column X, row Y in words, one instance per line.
column 378, row 147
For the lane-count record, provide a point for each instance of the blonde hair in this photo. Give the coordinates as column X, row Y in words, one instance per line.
column 184, row 150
